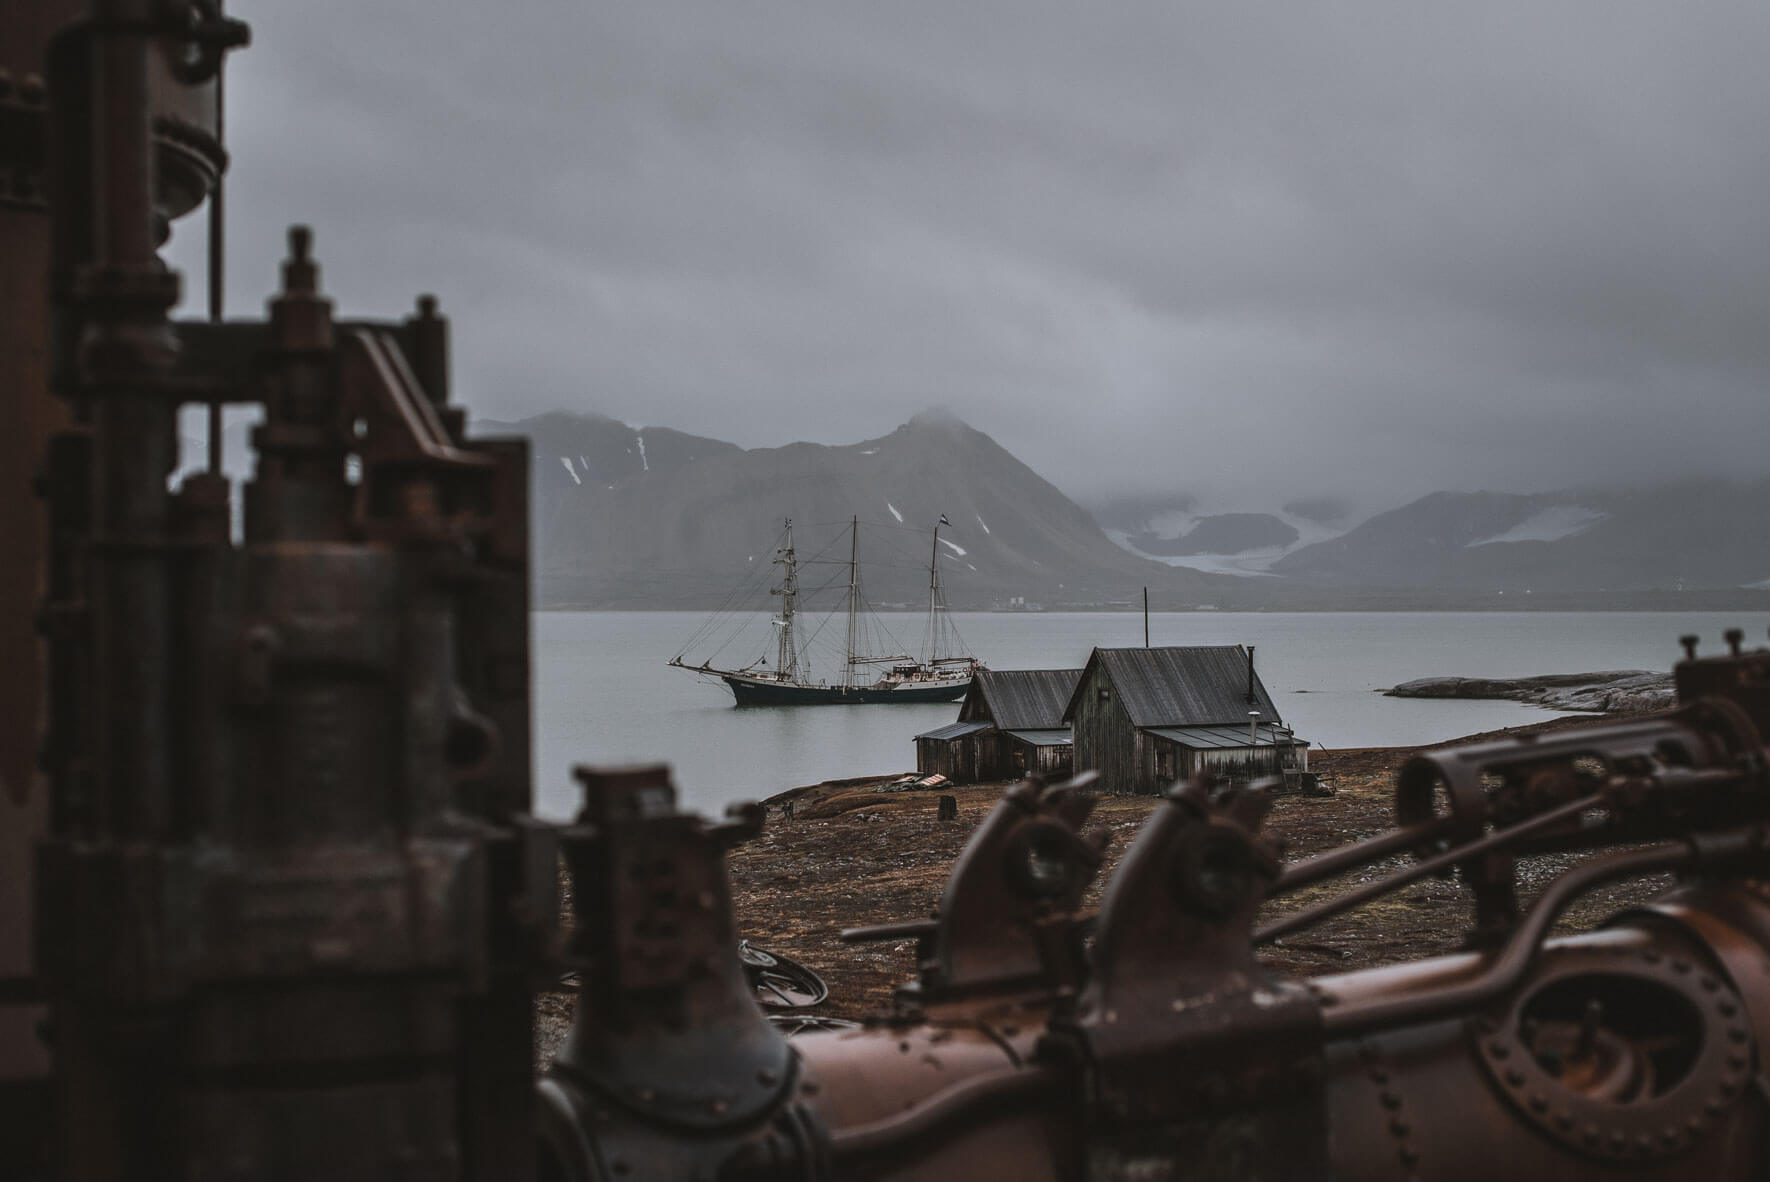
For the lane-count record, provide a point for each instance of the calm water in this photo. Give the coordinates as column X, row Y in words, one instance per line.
column 605, row 696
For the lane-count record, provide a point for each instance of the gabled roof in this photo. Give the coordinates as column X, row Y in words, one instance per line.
column 954, row 730
column 1046, row 738
column 1021, row 699
column 1207, row 738
column 1191, row 686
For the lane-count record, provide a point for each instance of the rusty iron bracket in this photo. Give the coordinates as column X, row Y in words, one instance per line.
column 1185, row 1046
column 1009, row 922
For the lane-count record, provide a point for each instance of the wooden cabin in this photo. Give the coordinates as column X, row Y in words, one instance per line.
column 1010, row 725
column 1145, row 717
column 956, row 751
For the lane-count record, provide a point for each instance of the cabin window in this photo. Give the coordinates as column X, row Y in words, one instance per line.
column 1103, row 693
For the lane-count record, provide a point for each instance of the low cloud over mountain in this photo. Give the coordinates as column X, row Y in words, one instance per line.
column 630, row 516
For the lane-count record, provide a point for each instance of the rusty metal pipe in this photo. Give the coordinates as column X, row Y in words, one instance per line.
column 1425, row 866
column 1333, row 862
column 1519, row 953
column 919, row 1130
column 908, row 930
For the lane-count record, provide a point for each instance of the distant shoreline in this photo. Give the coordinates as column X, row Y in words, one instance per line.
column 1668, row 602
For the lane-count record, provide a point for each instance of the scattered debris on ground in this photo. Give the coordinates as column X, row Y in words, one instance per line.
column 873, row 851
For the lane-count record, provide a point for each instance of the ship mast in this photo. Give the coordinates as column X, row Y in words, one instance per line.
column 934, row 598
column 853, row 596
column 787, row 665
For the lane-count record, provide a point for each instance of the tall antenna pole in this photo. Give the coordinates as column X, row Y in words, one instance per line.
column 1146, row 617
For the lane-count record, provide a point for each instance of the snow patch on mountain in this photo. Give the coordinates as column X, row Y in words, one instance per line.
column 954, row 547
column 1548, row 525
column 571, row 471
column 644, row 464
column 1251, row 565
column 982, row 522
column 1177, row 523
column 894, row 512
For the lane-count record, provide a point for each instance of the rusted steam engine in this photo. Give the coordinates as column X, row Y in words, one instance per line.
column 289, row 907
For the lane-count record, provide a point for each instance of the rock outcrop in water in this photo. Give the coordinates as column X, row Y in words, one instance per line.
column 1621, row 691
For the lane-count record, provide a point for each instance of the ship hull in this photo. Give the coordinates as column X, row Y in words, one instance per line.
column 774, row 693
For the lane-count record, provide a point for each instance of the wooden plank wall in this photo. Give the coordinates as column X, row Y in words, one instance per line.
column 1105, row 740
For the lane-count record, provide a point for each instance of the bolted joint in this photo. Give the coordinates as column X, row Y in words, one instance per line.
column 138, row 291
column 127, row 339
column 301, row 318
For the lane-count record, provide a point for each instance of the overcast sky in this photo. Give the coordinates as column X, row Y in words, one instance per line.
column 1253, row 251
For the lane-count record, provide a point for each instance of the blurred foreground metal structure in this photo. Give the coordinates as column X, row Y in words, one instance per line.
column 289, row 906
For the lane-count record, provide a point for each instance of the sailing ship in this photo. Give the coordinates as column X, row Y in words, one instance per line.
column 870, row 671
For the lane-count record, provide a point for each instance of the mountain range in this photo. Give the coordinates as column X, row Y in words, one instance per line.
column 644, row 517
column 651, row 517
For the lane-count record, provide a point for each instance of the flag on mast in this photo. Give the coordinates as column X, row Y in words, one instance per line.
column 943, row 520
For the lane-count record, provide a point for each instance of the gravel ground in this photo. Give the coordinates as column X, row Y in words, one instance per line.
column 855, row 854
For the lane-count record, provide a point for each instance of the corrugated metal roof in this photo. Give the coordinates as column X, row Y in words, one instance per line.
column 1026, row 699
column 1191, row 686
column 1207, row 737
column 955, row 730
column 1045, row 738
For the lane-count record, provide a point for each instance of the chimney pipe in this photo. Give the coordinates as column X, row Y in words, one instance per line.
column 1250, row 675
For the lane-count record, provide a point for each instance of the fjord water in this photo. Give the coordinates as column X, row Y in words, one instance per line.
column 605, row 696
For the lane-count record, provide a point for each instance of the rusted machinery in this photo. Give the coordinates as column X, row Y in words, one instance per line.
column 289, row 904
column 1157, row 1047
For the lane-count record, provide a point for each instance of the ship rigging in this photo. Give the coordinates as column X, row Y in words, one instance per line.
column 941, row 672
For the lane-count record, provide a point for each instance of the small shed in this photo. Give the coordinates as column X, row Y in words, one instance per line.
column 1010, row 725
column 1229, row 751
column 1049, row 752
column 1145, row 717
column 954, row 751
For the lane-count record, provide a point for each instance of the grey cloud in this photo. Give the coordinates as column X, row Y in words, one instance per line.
column 1357, row 249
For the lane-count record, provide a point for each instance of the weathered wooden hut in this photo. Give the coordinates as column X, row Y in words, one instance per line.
column 956, row 751
column 1010, row 724
column 1145, row 717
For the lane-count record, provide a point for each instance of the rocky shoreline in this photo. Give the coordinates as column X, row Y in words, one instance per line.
column 1618, row 691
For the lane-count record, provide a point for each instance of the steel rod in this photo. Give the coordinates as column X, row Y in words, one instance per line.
column 1515, row 958
column 1310, row 916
